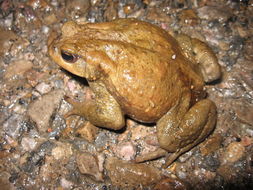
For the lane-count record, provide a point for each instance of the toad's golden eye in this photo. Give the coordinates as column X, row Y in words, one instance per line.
column 69, row 57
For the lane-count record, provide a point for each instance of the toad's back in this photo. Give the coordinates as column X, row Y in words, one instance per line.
column 150, row 74
column 148, row 83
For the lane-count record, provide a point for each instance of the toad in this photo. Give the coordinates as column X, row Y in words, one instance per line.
column 137, row 69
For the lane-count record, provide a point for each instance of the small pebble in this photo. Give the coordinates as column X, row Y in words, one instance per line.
column 88, row 164
column 28, row 144
column 43, row 88
column 125, row 151
column 17, row 68
column 234, row 152
column 214, row 12
column 12, row 127
column 62, row 151
column 65, row 184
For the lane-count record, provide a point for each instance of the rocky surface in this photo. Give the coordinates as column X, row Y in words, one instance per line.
column 40, row 149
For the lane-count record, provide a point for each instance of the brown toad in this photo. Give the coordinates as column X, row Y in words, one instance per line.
column 137, row 69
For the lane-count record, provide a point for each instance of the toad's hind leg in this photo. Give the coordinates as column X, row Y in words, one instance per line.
column 179, row 136
column 198, row 52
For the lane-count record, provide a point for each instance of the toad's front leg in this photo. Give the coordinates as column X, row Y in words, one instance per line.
column 102, row 111
column 180, row 135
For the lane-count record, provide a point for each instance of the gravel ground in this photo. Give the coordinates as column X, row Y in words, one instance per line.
column 39, row 149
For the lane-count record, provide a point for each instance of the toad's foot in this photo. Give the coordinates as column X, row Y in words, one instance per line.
column 170, row 157
column 159, row 153
column 76, row 107
column 151, row 155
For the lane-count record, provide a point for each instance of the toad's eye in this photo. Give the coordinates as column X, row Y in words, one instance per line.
column 69, row 57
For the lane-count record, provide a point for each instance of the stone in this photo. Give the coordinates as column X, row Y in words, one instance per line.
column 17, row 68
column 12, row 127
column 125, row 151
column 234, row 152
column 88, row 131
column 125, row 174
column 9, row 41
column 88, row 164
column 62, row 151
column 43, row 88
column 28, row 143
column 41, row 110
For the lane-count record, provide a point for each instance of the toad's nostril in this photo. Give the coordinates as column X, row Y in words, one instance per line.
column 54, row 49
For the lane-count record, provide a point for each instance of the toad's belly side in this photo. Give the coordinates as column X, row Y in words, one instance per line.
column 147, row 91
